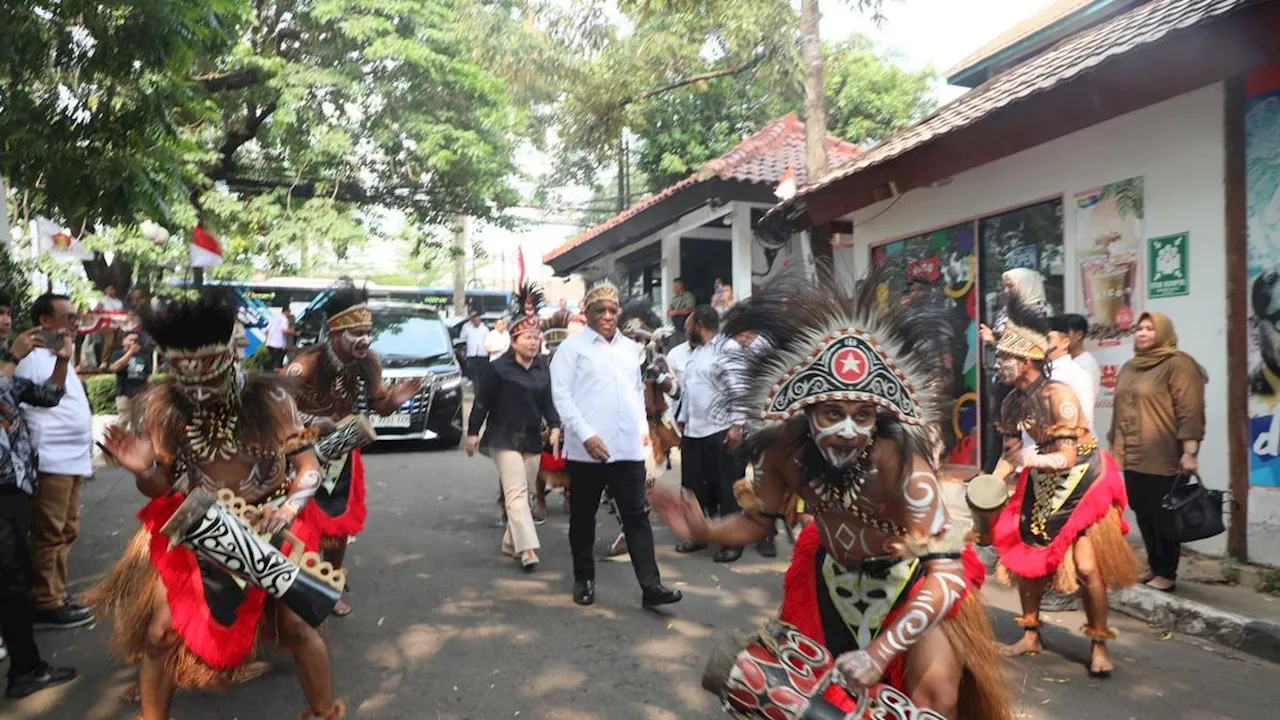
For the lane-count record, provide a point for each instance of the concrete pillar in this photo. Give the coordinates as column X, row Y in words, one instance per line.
column 670, row 267
column 741, row 252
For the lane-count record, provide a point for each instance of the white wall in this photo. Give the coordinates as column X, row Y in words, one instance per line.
column 1177, row 147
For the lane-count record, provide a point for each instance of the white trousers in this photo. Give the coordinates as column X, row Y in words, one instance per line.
column 519, row 475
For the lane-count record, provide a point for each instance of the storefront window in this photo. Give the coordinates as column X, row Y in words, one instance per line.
column 1029, row 237
column 943, row 262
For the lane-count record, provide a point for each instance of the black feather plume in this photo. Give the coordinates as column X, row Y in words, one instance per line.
column 190, row 324
column 343, row 297
column 528, row 299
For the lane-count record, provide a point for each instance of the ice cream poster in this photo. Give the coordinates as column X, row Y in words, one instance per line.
column 1109, row 250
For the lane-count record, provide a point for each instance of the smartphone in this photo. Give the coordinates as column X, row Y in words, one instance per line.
column 52, row 340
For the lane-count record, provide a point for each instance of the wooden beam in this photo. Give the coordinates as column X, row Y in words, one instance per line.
column 1236, row 241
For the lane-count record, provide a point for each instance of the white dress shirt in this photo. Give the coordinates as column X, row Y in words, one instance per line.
column 707, row 379
column 1089, row 364
column 597, row 389
column 63, row 435
column 497, row 342
column 473, row 336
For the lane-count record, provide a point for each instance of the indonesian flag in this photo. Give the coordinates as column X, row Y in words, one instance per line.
column 520, row 264
column 786, row 185
column 205, row 250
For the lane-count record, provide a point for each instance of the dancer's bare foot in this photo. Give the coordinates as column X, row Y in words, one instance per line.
column 342, row 609
column 1028, row 645
column 1100, row 665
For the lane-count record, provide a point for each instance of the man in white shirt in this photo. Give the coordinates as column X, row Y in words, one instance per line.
column 597, row 389
column 473, row 334
column 63, row 435
column 1065, row 369
column 1078, row 329
column 708, row 433
column 498, row 341
column 276, row 342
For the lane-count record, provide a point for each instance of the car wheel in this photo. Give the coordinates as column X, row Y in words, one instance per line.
column 449, row 439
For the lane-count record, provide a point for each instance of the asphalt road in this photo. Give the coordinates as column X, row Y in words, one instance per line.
column 446, row 627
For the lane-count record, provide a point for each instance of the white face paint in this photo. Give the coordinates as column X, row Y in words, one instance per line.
column 356, row 343
column 1008, row 369
column 841, row 442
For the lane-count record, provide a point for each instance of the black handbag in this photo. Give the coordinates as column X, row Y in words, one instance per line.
column 1191, row 511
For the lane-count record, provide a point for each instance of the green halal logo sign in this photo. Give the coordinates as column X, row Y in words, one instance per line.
column 1167, row 263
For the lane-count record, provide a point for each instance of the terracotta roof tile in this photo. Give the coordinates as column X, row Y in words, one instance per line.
column 761, row 158
column 1073, row 57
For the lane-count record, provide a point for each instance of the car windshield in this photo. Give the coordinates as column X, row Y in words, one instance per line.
column 404, row 336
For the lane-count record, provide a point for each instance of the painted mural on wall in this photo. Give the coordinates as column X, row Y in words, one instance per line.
column 1262, row 181
column 944, row 261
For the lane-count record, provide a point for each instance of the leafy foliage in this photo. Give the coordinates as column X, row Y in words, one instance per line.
column 101, row 391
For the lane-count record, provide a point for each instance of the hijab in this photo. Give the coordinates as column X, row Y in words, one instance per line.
column 1028, row 284
column 1164, row 347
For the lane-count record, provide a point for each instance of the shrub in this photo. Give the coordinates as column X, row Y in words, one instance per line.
column 260, row 361
column 101, row 390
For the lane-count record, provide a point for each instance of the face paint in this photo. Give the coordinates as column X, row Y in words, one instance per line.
column 1008, row 369
column 356, row 342
column 841, row 442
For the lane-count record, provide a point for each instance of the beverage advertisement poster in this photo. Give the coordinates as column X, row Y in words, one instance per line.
column 1262, row 181
column 943, row 262
column 1109, row 249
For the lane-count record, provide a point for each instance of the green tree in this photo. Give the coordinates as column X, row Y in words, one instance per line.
column 868, row 97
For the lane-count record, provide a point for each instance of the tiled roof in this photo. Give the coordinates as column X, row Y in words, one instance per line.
column 1073, row 57
column 1021, row 30
column 761, row 158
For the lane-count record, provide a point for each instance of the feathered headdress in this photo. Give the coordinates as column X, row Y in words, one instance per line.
column 347, row 309
column 638, row 319
column 822, row 343
column 1026, row 332
column 195, row 335
column 528, row 299
column 602, row 290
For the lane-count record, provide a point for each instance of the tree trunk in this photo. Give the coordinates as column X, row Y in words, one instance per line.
column 815, row 104
column 461, row 240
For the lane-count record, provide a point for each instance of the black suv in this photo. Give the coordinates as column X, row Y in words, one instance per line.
column 413, row 342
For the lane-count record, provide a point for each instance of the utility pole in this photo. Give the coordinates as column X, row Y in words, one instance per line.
column 461, row 242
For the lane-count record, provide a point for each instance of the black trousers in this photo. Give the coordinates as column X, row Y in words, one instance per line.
column 17, row 614
column 1145, row 492
column 708, row 470
column 625, row 481
column 277, row 357
column 474, row 367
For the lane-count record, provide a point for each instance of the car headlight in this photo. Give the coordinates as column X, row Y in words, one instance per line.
column 449, row 382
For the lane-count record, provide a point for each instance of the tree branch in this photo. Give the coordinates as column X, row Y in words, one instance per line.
column 238, row 136
column 234, row 80
column 745, row 67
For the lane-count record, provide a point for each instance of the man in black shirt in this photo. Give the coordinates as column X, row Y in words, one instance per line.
column 132, row 364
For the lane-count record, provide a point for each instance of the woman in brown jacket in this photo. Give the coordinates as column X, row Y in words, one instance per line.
column 1156, row 431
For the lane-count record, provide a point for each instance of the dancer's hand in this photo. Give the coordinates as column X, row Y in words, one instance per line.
column 473, row 444
column 131, row 452
column 596, row 448
column 986, row 335
column 859, row 670
column 272, row 519
column 680, row 511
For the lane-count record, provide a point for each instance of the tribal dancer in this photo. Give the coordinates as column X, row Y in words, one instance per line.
column 848, row 391
column 342, row 377
column 184, row 620
column 1064, row 526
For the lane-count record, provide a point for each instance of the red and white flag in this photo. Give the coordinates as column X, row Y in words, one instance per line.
column 206, row 252
column 520, row 264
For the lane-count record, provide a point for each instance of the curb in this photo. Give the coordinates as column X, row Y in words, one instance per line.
column 1258, row 638
column 1254, row 637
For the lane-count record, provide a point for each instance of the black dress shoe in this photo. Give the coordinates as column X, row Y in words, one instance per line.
column 728, row 555
column 660, row 595
column 584, row 592
column 42, row 678
column 767, row 547
column 688, row 546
